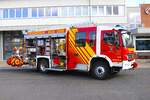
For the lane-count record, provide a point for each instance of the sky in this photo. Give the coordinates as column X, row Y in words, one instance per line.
column 136, row 2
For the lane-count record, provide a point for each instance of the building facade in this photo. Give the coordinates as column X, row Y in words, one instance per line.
column 22, row 16
column 142, row 33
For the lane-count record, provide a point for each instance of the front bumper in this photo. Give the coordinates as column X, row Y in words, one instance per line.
column 129, row 65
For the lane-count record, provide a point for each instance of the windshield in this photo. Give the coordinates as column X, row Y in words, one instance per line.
column 127, row 39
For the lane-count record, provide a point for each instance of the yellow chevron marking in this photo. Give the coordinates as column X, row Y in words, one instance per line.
column 85, row 52
column 72, row 38
column 83, row 61
column 79, row 51
column 89, row 49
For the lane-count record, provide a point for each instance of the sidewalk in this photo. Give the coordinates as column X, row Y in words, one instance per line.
column 141, row 63
column 3, row 64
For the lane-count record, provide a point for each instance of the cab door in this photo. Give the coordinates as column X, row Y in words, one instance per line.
column 111, row 45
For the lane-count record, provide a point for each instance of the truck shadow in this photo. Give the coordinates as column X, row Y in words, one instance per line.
column 63, row 74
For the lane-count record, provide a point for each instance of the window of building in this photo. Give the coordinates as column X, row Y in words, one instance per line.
column 115, row 10
column 78, row 11
column 64, row 11
column 1, row 13
column 108, row 10
column 80, row 39
column 5, row 13
column 54, row 11
column 41, row 12
column 101, row 10
column 92, row 38
column 121, row 10
column 11, row 13
column 48, row 11
column 94, row 10
column 34, row 12
column 18, row 12
column 25, row 12
column 85, row 10
column 70, row 11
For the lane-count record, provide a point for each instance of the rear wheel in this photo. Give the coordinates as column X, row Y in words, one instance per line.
column 100, row 70
column 42, row 65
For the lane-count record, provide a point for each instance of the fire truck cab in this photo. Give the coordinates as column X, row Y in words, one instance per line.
column 99, row 50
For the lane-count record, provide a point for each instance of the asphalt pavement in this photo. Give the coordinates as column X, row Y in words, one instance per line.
column 27, row 84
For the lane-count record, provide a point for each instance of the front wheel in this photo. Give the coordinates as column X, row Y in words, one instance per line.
column 100, row 70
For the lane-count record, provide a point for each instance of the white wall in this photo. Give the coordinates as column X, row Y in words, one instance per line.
column 35, row 3
column 40, row 3
column 59, row 20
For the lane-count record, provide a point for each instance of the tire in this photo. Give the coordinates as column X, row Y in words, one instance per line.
column 42, row 65
column 100, row 70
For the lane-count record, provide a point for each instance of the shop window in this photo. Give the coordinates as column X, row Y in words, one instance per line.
column 25, row 12
column 11, row 39
column 54, row 11
column 92, row 38
column 142, row 44
column 109, row 38
column 80, row 39
column 41, row 12
column 5, row 13
column 18, row 12
column 34, row 12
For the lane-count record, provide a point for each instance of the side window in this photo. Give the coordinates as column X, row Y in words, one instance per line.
column 109, row 38
column 116, row 37
column 92, row 38
column 80, row 39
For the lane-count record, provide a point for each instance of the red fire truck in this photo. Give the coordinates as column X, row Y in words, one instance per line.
column 99, row 50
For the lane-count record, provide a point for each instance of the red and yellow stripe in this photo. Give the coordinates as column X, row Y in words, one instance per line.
column 85, row 53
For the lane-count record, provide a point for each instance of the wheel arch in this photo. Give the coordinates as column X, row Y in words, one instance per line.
column 42, row 58
column 102, row 58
